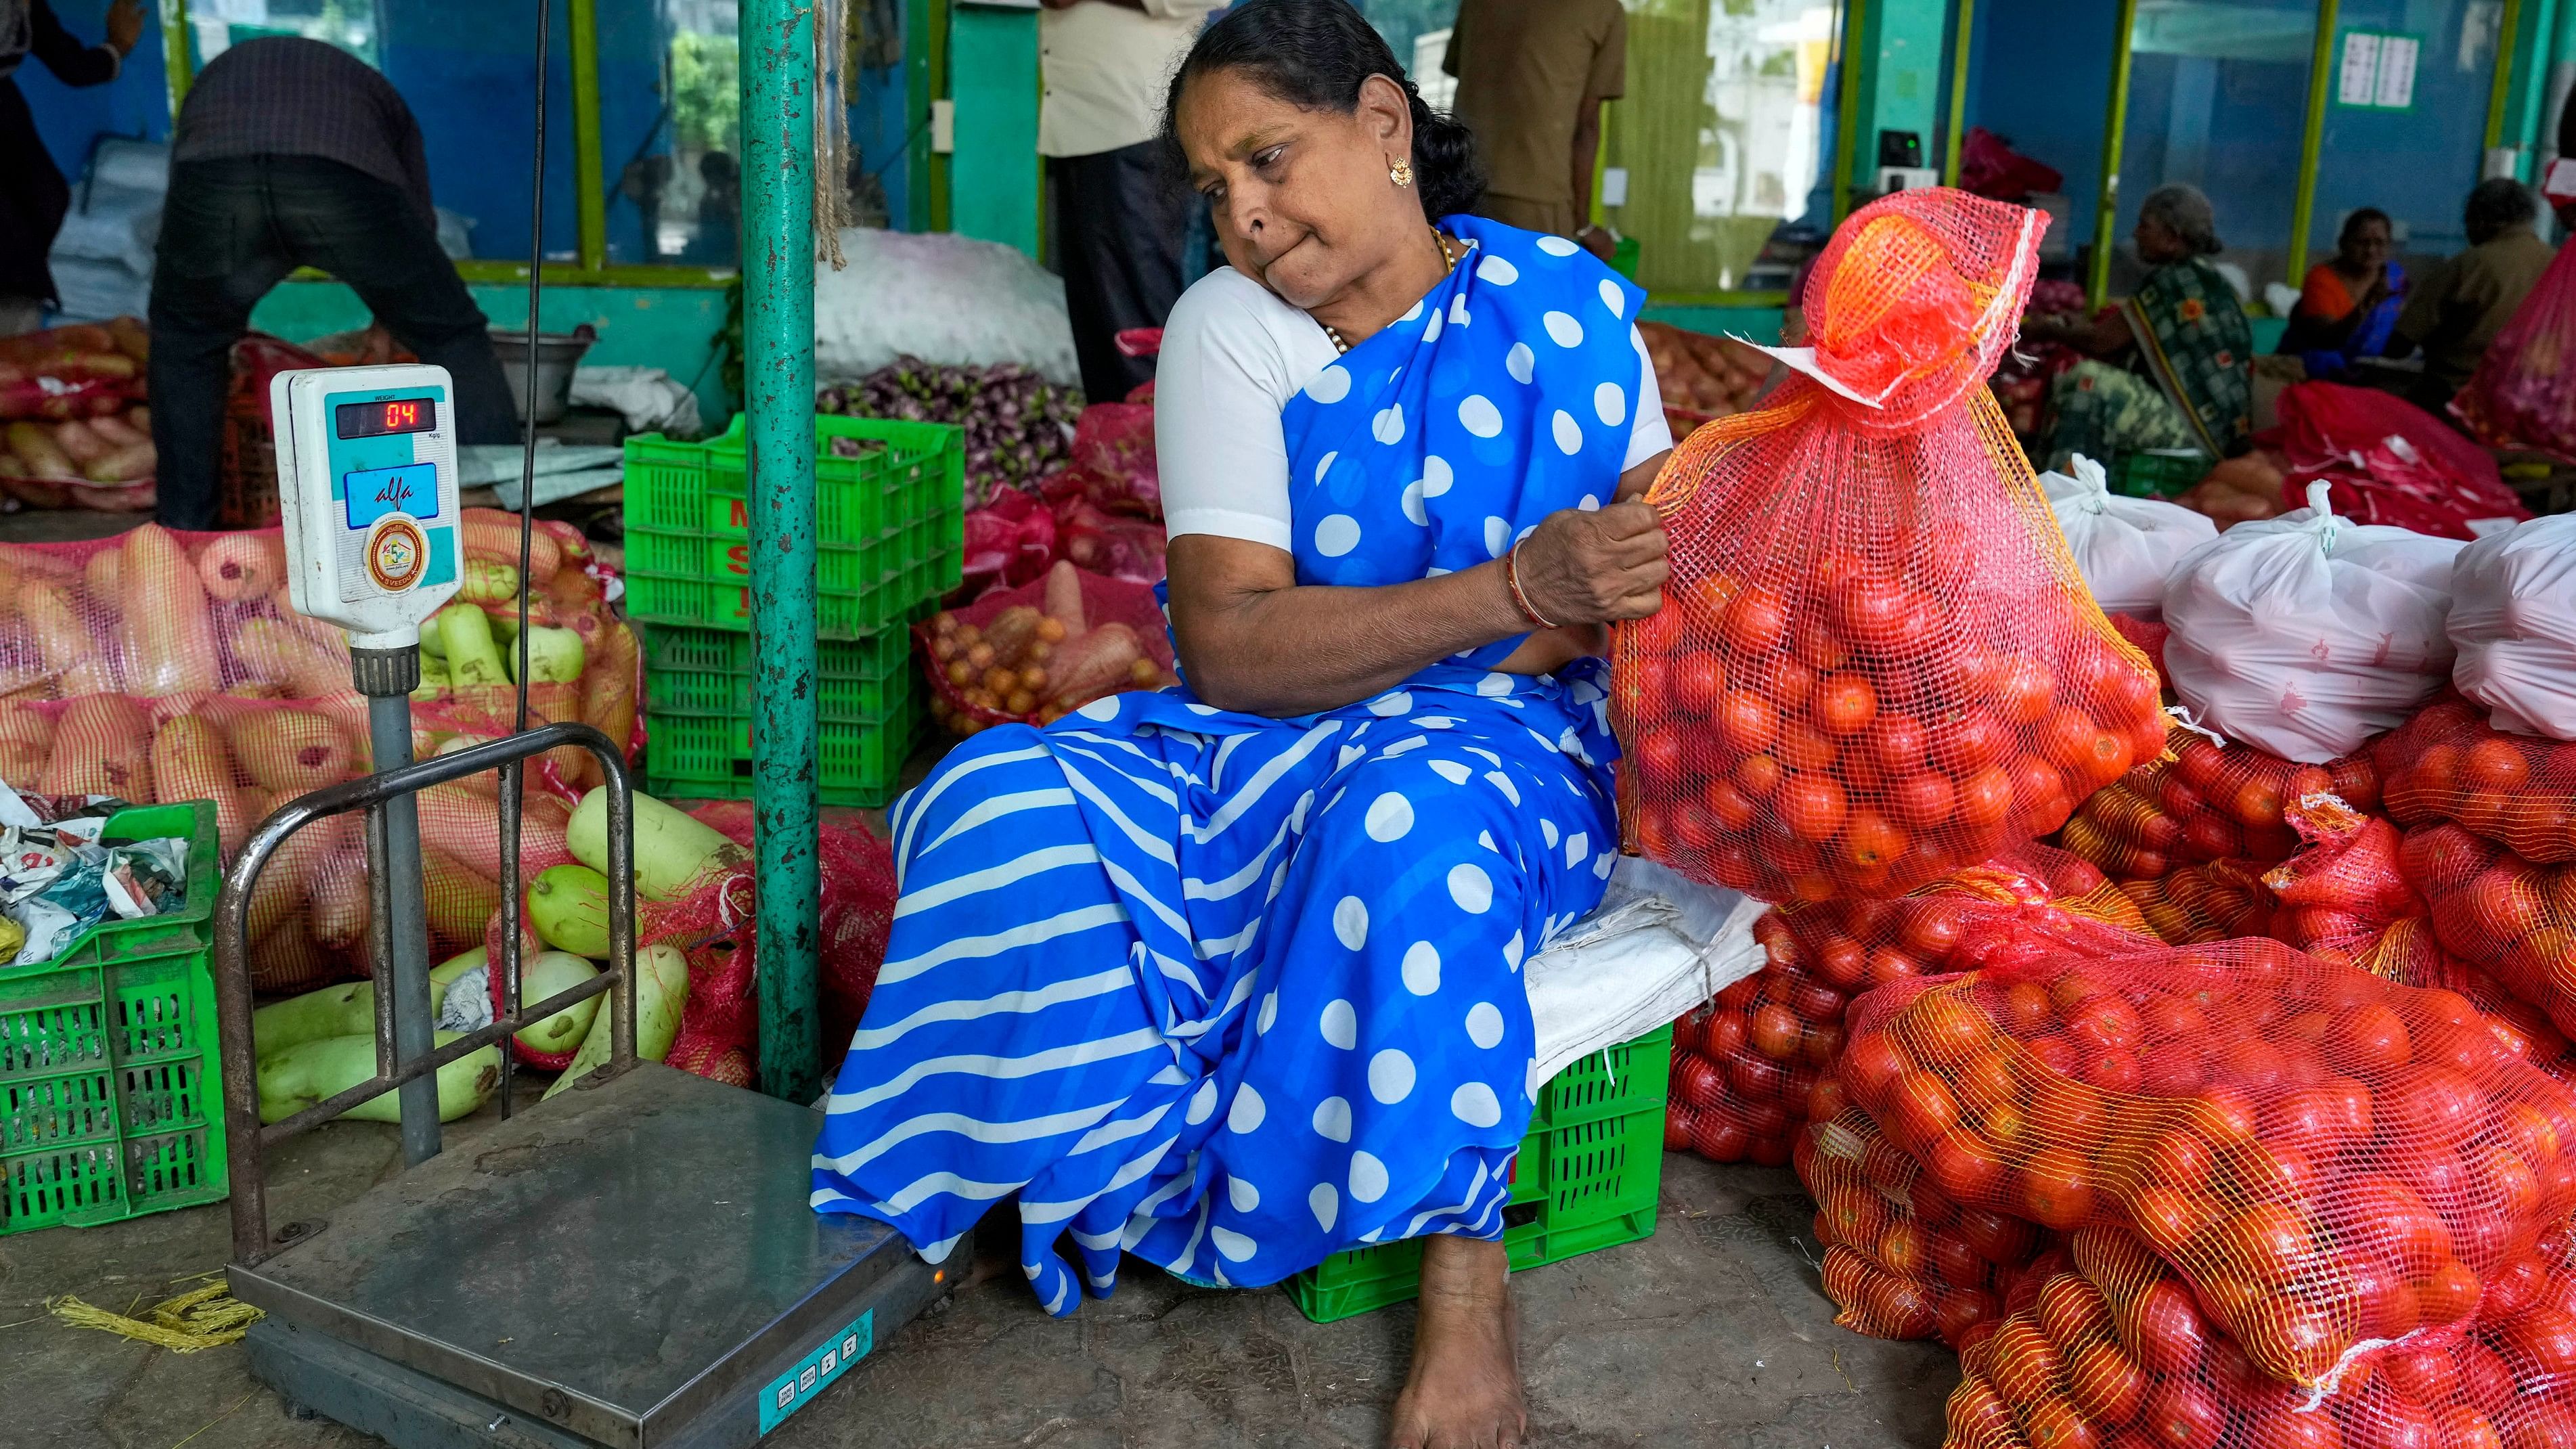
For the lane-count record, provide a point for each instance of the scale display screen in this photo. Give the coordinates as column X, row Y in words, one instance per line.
column 411, row 488
column 380, row 419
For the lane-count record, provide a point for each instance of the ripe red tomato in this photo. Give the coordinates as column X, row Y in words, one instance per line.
column 1963, row 1167
column 2056, row 1190
column 2182, row 1415
column 1923, row 799
column 1699, row 1082
column 1755, row 622
column 1699, row 681
column 1723, row 1035
column 2105, row 1382
column 1844, row 704
column 1803, row 747
column 1720, row 1138
column 1775, row 1033
column 1986, row 797
column 1659, row 756
column 2496, row 764
column 1921, row 1109
column 1745, row 722
column 2543, row 1338
column 2266, row 1243
column 2465, row 1428
column 1897, row 742
column 2022, row 1362
column 2170, row 1218
column 2023, row 690
column 2543, row 1423
column 2056, row 1423
column 1811, row 806
column 2428, row 1105
column 1757, row 776
column 1872, row 840
column 2073, row 1313
column 1818, row 648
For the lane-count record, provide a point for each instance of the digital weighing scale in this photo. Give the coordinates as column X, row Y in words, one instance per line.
column 630, row 1264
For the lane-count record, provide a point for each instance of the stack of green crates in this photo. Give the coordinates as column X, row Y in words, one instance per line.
column 2158, row 472
column 888, row 536
column 111, row 1087
column 1588, row 1175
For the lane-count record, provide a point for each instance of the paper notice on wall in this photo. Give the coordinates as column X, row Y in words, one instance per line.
column 2360, row 75
column 2396, row 90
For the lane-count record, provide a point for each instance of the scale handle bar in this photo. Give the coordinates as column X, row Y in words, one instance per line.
column 247, row 1141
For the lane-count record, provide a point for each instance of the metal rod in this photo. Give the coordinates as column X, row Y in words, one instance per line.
column 1962, row 36
column 2500, row 88
column 778, row 387
column 398, row 926
column 590, row 192
column 2115, row 111
column 512, row 791
column 1847, row 100
column 2321, row 79
column 426, row 1066
column 244, row 1138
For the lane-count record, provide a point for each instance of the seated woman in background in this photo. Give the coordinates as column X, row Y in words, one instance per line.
column 1228, row 976
column 2171, row 367
column 2349, row 305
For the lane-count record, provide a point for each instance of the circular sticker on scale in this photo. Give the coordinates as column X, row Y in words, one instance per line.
column 396, row 555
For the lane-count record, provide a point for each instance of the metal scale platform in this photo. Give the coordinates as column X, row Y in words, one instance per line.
column 631, row 1263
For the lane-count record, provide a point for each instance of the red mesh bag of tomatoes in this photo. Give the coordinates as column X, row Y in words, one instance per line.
column 1743, row 1066
column 2449, row 763
column 1902, row 1260
column 2203, row 800
column 2408, row 953
column 2505, row 916
column 1878, row 662
column 2343, row 888
column 2216, row 900
column 2117, row 1350
column 2267, row 1122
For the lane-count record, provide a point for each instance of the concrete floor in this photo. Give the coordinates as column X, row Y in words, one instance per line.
column 1712, row 1332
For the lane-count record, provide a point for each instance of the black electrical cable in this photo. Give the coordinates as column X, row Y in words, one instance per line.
column 513, row 774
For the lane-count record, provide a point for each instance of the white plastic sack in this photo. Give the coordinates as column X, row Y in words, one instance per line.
column 1657, row 946
column 2125, row 547
column 2513, row 619
column 2308, row 634
column 941, row 298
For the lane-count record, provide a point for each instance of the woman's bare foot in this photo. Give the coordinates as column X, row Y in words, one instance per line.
column 1464, row 1391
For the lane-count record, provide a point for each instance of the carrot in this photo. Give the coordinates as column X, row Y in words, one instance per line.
column 1064, row 598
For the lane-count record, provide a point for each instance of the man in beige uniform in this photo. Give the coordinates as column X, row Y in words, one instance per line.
column 1121, row 218
column 1532, row 75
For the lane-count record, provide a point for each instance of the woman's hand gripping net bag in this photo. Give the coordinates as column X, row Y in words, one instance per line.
column 1877, row 661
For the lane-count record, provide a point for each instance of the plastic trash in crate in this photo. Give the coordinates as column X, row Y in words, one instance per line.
column 111, row 1093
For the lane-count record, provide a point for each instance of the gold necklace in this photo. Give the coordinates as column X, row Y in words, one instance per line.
column 1449, row 263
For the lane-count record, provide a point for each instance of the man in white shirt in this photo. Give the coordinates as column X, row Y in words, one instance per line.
column 1121, row 214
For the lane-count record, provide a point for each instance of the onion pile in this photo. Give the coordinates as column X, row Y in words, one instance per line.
column 1018, row 425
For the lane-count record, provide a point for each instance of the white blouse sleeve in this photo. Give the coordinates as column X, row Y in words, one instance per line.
column 1650, row 432
column 1233, row 355
column 1220, row 383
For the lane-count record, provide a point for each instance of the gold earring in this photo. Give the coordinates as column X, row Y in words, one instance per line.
column 1401, row 173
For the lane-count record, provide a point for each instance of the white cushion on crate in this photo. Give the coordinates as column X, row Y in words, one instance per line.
column 1658, row 946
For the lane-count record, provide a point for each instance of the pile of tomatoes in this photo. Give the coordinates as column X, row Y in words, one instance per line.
column 2116, row 1350
column 2215, row 900
column 1854, row 738
column 2449, row 764
column 2206, row 801
column 1745, row 1064
column 1902, row 1260
column 2326, row 1157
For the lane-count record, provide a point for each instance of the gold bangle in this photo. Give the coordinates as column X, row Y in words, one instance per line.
column 1512, row 581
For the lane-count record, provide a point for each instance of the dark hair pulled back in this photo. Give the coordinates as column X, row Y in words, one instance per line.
column 1316, row 54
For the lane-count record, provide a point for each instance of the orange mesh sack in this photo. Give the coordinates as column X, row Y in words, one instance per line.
column 2118, row 1350
column 2328, row 1160
column 2449, row 764
column 1745, row 1066
column 2210, row 901
column 1878, row 662
column 2205, row 800
column 2504, row 916
column 1902, row 1260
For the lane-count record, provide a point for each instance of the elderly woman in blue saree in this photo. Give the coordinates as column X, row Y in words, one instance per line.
column 1227, row 977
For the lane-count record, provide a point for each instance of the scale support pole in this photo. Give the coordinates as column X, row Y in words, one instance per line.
column 778, row 393
column 398, row 920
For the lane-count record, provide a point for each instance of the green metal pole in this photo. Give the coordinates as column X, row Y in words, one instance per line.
column 2502, row 86
column 2321, row 79
column 590, row 213
column 178, row 58
column 1847, row 103
column 778, row 388
column 2106, row 210
column 1964, row 36
column 2535, row 83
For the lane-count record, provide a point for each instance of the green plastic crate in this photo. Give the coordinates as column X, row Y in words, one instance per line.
column 708, row 756
column 889, row 526
column 111, row 1087
column 2158, row 472
column 1587, row 1178
column 708, row 671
